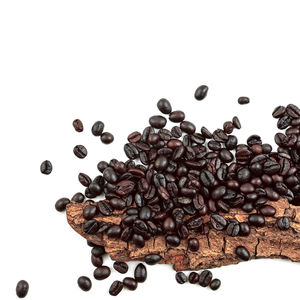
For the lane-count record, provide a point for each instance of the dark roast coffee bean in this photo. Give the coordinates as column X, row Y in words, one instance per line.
column 283, row 223
column 134, row 137
column 193, row 277
column 193, row 244
column 116, row 288
column 284, row 122
column 78, row 197
column 46, row 167
column 244, row 229
column 177, row 116
column 242, row 253
column 78, row 126
column 233, row 229
column 228, row 127
column 293, row 111
column 187, row 127
column 114, row 231
column 105, row 208
column 80, row 151
column 84, row 283
column 181, row 278
column 107, row 138
column 168, row 225
column 173, row 240
column 267, row 210
column 215, row 284
column 22, row 288
column 218, row 222
column 138, row 240
column 61, row 204
column 243, row 100
column 84, row 179
column 205, row 278
column 130, row 283
column 236, row 122
column 98, row 251
column 121, row 267
column 102, row 273
column 110, row 175
column 90, row 227
column 158, row 122
column 161, row 163
column 152, row 259
column 97, row 261
column 278, row 112
column 164, row 106
column 140, row 273
column 256, row 220
column 201, row 92
column 97, row 128
column 176, row 132
column 220, row 136
column 89, row 212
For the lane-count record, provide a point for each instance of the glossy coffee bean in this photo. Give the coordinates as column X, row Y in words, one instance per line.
column 90, row 227
column 78, row 126
column 201, row 92
column 97, row 128
column 193, row 244
column 187, row 127
column 46, row 167
column 84, row 283
column 267, row 210
column 78, row 197
column 140, row 273
column 121, row 267
column 256, row 220
column 218, row 222
column 116, row 288
column 80, row 151
column 283, row 223
column 97, row 261
column 177, row 116
column 98, row 251
column 215, row 284
column 152, row 259
column 22, row 288
column 181, row 278
column 89, row 212
column 205, row 278
column 102, row 273
column 107, row 138
column 243, row 100
column 130, row 283
column 158, row 122
column 242, row 253
column 244, row 229
column 164, row 106
column 193, row 277
column 61, row 204
column 236, row 122
column 114, row 231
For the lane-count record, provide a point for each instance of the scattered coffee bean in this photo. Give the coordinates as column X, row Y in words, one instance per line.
column 164, row 106
column 121, row 267
column 46, row 167
column 242, row 253
column 152, row 259
column 201, row 92
column 205, row 278
column 97, row 128
column 181, row 277
column 215, row 284
column 130, row 283
column 193, row 244
column 78, row 126
column 283, row 223
column 107, row 138
column 84, row 283
column 140, row 273
column 243, row 100
column 80, row 151
column 78, row 197
column 22, row 288
column 116, row 288
column 61, row 204
column 102, row 273
column 193, row 277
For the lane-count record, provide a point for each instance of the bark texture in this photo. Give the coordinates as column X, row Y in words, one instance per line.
column 216, row 248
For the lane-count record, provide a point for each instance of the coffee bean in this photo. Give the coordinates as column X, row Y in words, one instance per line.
column 107, row 138
column 80, row 151
column 181, row 277
column 236, row 122
column 46, row 167
column 164, row 106
column 22, row 288
column 97, row 128
column 193, row 277
column 205, row 278
column 193, row 244
column 161, row 163
column 157, row 122
column 116, row 288
column 140, row 273
column 61, row 204
column 97, row 261
column 201, row 92
column 90, row 227
column 242, row 253
column 152, row 259
column 78, row 197
column 84, row 283
column 283, row 223
column 215, row 284
column 243, row 100
column 105, row 208
column 102, row 273
column 89, row 212
column 98, row 251
column 130, row 283
column 78, row 126
column 267, row 210
column 256, row 220
column 176, row 132
column 121, row 267
column 278, row 111
column 187, row 127
column 244, row 229
column 177, row 116
column 173, row 240
column 284, row 122
column 233, row 229
column 114, row 231
column 293, row 111
column 218, row 222
column 110, row 175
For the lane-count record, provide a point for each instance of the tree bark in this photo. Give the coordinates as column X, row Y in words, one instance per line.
column 216, row 248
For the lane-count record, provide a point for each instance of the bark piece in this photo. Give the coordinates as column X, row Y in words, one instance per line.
column 216, row 249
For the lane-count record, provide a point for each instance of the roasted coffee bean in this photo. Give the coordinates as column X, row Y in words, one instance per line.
column 215, row 284
column 78, row 126
column 220, row 136
column 46, row 167
column 152, row 259
column 130, row 283
column 181, row 278
column 117, row 203
column 243, row 175
column 121, row 267
column 110, row 175
column 134, row 137
column 278, row 111
column 161, row 163
column 89, row 212
column 177, row 116
column 84, row 179
column 168, row 225
column 283, row 223
column 114, row 231
column 194, row 223
column 187, row 127
column 22, row 288
column 138, row 240
column 102, row 273
column 271, row 167
column 228, row 127
column 284, row 122
column 105, row 208
column 173, row 240
column 158, row 122
column 205, row 278
column 218, row 222
column 236, row 122
column 242, row 253
column 244, row 229
column 102, row 165
column 293, row 111
column 97, row 261
column 233, row 229
column 267, row 210
column 97, row 128
column 256, row 220
column 61, row 204
column 176, row 132
column 140, row 273
column 193, row 277
column 84, row 283
column 164, row 106
column 80, row 151
column 107, row 138
column 206, row 133
column 90, row 227
column 98, row 251
column 218, row 192
column 193, row 244
column 78, row 197
column 243, row 100
column 116, row 288
column 201, row 92
column 125, row 187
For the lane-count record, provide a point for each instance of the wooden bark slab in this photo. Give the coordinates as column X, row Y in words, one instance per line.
column 216, row 248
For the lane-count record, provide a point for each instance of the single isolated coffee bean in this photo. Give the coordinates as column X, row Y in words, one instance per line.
column 22, row 288
column 201, row 92
column 97, row 128
column 107, row 138
column 193, row 244
column 102, row 273
column 61, row 204
column 181, row 278
column 243, row 100
column 84, row 283
column 121, row 267
column 116, row 288
column 130, row 283
column 283, row 223
column 78, row 126
column 80, row 151
column 164, row 106
column 140, row 273
column 215, row 284
column 46, row 167
column 242, row 253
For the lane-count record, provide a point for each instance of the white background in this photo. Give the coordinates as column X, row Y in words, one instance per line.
column 112, row 61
